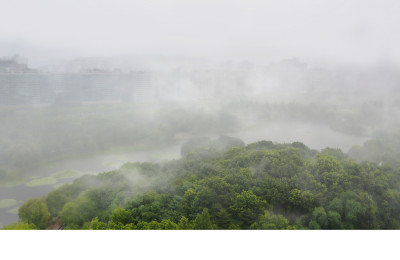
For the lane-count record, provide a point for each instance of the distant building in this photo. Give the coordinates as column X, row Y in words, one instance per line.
column 14, row 64
column 76, row 88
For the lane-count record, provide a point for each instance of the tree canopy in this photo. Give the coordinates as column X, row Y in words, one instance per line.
column 259, row 186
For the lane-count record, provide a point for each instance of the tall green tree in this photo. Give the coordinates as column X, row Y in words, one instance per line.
column 320, row 217
column 301, row 201
column 203, row 221
column 271, row 221
column 246, row 208
column 334, row 220
column 122, row 216
column 184, row 224
column 35, row 211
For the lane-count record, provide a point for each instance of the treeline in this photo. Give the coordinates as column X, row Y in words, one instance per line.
column 259, row 186
column 384, row 149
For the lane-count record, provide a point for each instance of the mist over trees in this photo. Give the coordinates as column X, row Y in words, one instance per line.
column 199, row 115
column 263, row 185
column 159, row 109
column 219, row 182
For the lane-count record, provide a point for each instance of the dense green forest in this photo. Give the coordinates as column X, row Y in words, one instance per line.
column 225, row 184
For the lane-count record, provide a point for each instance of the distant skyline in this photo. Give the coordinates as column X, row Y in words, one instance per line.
column 353, row 32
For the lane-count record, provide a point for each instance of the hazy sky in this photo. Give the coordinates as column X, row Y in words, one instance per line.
column 346, row 31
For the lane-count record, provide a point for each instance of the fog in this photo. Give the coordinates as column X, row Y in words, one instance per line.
column 345, row 32
column 88, row 86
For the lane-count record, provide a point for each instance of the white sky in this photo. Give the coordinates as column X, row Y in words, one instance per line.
column 345, row 31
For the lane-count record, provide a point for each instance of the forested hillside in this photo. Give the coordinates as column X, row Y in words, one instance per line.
column 224, row 184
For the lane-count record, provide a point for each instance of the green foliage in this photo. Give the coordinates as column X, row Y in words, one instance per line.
column 184, row 224
column 275, row 191
column 223, row 218
column 301, row 201
column 334, row 220
column 246, row 208
column 167, row 224
column 233, row 152
column 271, row 221
column 19, row 226
column 320, row 217
column 98, row 225
column 234, row 227
column 337, row 153
column 260, row 186
column 385, row 149
column 326, row 163
column 77, row 212
column 35, row 211
column 203, row 221
column 122, row 216
column 241, row 180
column 153, row 225
column 213, row 192
column 56, row 199
column 261, row 145
column 314, row 225
column 189, row 203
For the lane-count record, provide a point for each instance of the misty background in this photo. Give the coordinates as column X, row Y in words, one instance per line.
column 87, row 86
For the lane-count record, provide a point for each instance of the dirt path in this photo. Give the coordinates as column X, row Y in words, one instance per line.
column 56, row 224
